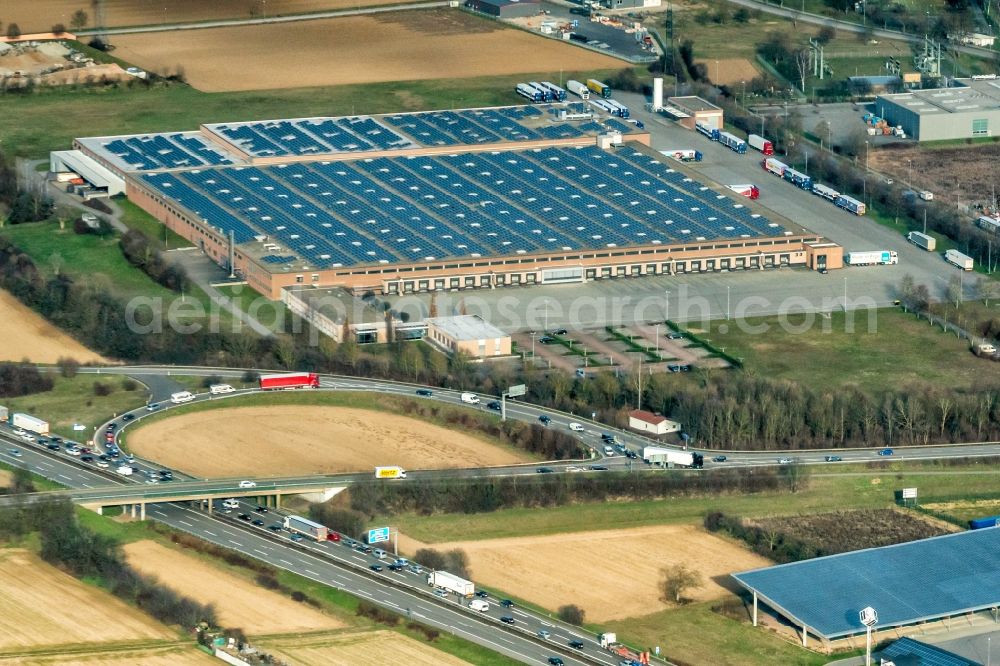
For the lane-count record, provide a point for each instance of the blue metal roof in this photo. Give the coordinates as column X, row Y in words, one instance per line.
column 425, row 208
column 907, row 651
column 906, row 583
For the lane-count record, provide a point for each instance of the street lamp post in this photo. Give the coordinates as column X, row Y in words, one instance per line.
column 533, row 334
column 666, row 306
column 657, row 327
column 546, row 315
column 727, row 301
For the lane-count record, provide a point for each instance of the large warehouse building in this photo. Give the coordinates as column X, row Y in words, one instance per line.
column 969, row 111
column 414, row 202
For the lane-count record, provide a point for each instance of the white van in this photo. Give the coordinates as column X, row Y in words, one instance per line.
column 470, row 398
column 216, row 389
column 230, row 503
column 479, row 605
column 379, row 553
column 183, row 396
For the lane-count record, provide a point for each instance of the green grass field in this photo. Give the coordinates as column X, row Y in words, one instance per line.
column 893, row 351
column 136, row 218
column 827, row 491
column 34, row 124
column 73, row 401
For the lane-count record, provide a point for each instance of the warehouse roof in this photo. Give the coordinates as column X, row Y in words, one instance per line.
column 692, row 103
column 466, row 327
column 507, row 3
column 909, row 652
column 906, row 583
column 968, row 97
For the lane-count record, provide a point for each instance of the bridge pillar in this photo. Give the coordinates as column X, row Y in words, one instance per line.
column 210, row 503
column 277, row 501
column 132, row 506
column 142, row 511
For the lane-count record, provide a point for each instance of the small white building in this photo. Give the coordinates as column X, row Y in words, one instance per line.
column 654, row 424
column 468, row 333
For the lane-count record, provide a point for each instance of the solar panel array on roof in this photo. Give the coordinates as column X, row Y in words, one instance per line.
column 907, row 651
column 906, row 583
column 310, row 136
column 164, row 151
column 413, row 209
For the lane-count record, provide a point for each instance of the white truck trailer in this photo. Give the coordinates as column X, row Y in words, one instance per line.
column 30, row 423
column 660, row 455
column 872, row 258
column 579, row 89
column 956, row 258
column 390, row 472
column 451, row 582
column 922, row 240
column 305, row 526
column 4, row 414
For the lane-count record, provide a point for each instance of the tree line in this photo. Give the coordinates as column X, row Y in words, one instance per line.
column 70, row 546
column 140, row 252
column 484, row 495
column 17, row 379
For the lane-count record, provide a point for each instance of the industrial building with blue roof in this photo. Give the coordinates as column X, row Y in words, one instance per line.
column 906, row 583
column 442, row 200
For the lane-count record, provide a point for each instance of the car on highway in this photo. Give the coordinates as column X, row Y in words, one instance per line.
column 544, row 634
column 576, row 644
column 333, row 536
column 599, row 468
column 244, row 516
column 296, row 537
column 441, row 592
column 42, row 441
column 396, row 567
column 784, row 461
column 556, row 661
column 544, row 420
column 576, row 427
column 507, row 619
column 152, row 480
column 832, row 458
column 494, row 405
column 152, row 407
column 56, row 439
column 128, row 417
column 102, row 463
column 425, row 392
column 166, row 475
column 376, row 567
column 261, row 509
column 719, row 459
column 544, row 470
column 885, row 452
column 112, row 427
column 87, row 458
column 258, row 522
column 507, row 603
column 14, row 452
column 482, row 594
column 248, row 484
column 631, row 454
column 55, row 447
column 275, row 527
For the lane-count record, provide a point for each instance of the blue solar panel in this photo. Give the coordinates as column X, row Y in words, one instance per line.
column 905, row 583
column 922, row 654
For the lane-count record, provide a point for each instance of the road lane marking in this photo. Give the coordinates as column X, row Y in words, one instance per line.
column 236, row 543
column 286, row 562
column 211, row 533
column 160, row 513
column 184, row 522
column 258, row 550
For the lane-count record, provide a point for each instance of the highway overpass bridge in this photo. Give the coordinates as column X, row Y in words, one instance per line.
column 134, row 497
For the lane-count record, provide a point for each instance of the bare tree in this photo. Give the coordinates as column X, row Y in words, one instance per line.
column 802, row 64
column 955, row 290
column 677, row 579
column 79, row 19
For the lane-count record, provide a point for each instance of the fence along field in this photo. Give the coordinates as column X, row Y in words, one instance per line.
column 401, row 46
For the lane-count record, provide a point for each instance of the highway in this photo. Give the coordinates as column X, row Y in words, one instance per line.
column 349, row 569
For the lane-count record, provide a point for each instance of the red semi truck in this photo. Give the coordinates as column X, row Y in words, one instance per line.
column 291, row 380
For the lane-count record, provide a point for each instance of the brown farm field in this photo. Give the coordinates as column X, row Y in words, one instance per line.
column 397, row 46
column 286, row 440
column 843, row 531
column 41, row 605
column 620, row 568
column 730, row 71
column 26, row 335
column 35, row 16
column 348, row 649
column 239, row 602
column 114, row 654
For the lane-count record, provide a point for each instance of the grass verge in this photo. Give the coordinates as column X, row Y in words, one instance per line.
column 72, row 400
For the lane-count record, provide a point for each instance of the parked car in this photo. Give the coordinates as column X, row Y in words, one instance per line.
column 560, row 331
column 674, row 335
column 546, row 339
column 425, row 392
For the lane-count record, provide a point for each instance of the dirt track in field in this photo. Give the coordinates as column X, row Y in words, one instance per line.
column 402, row 46
column 36, row 16
column 289, row 440
column 26, row 334
column 238, row 602
column 40, row 605
column 730, row 71
column 611, row 574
